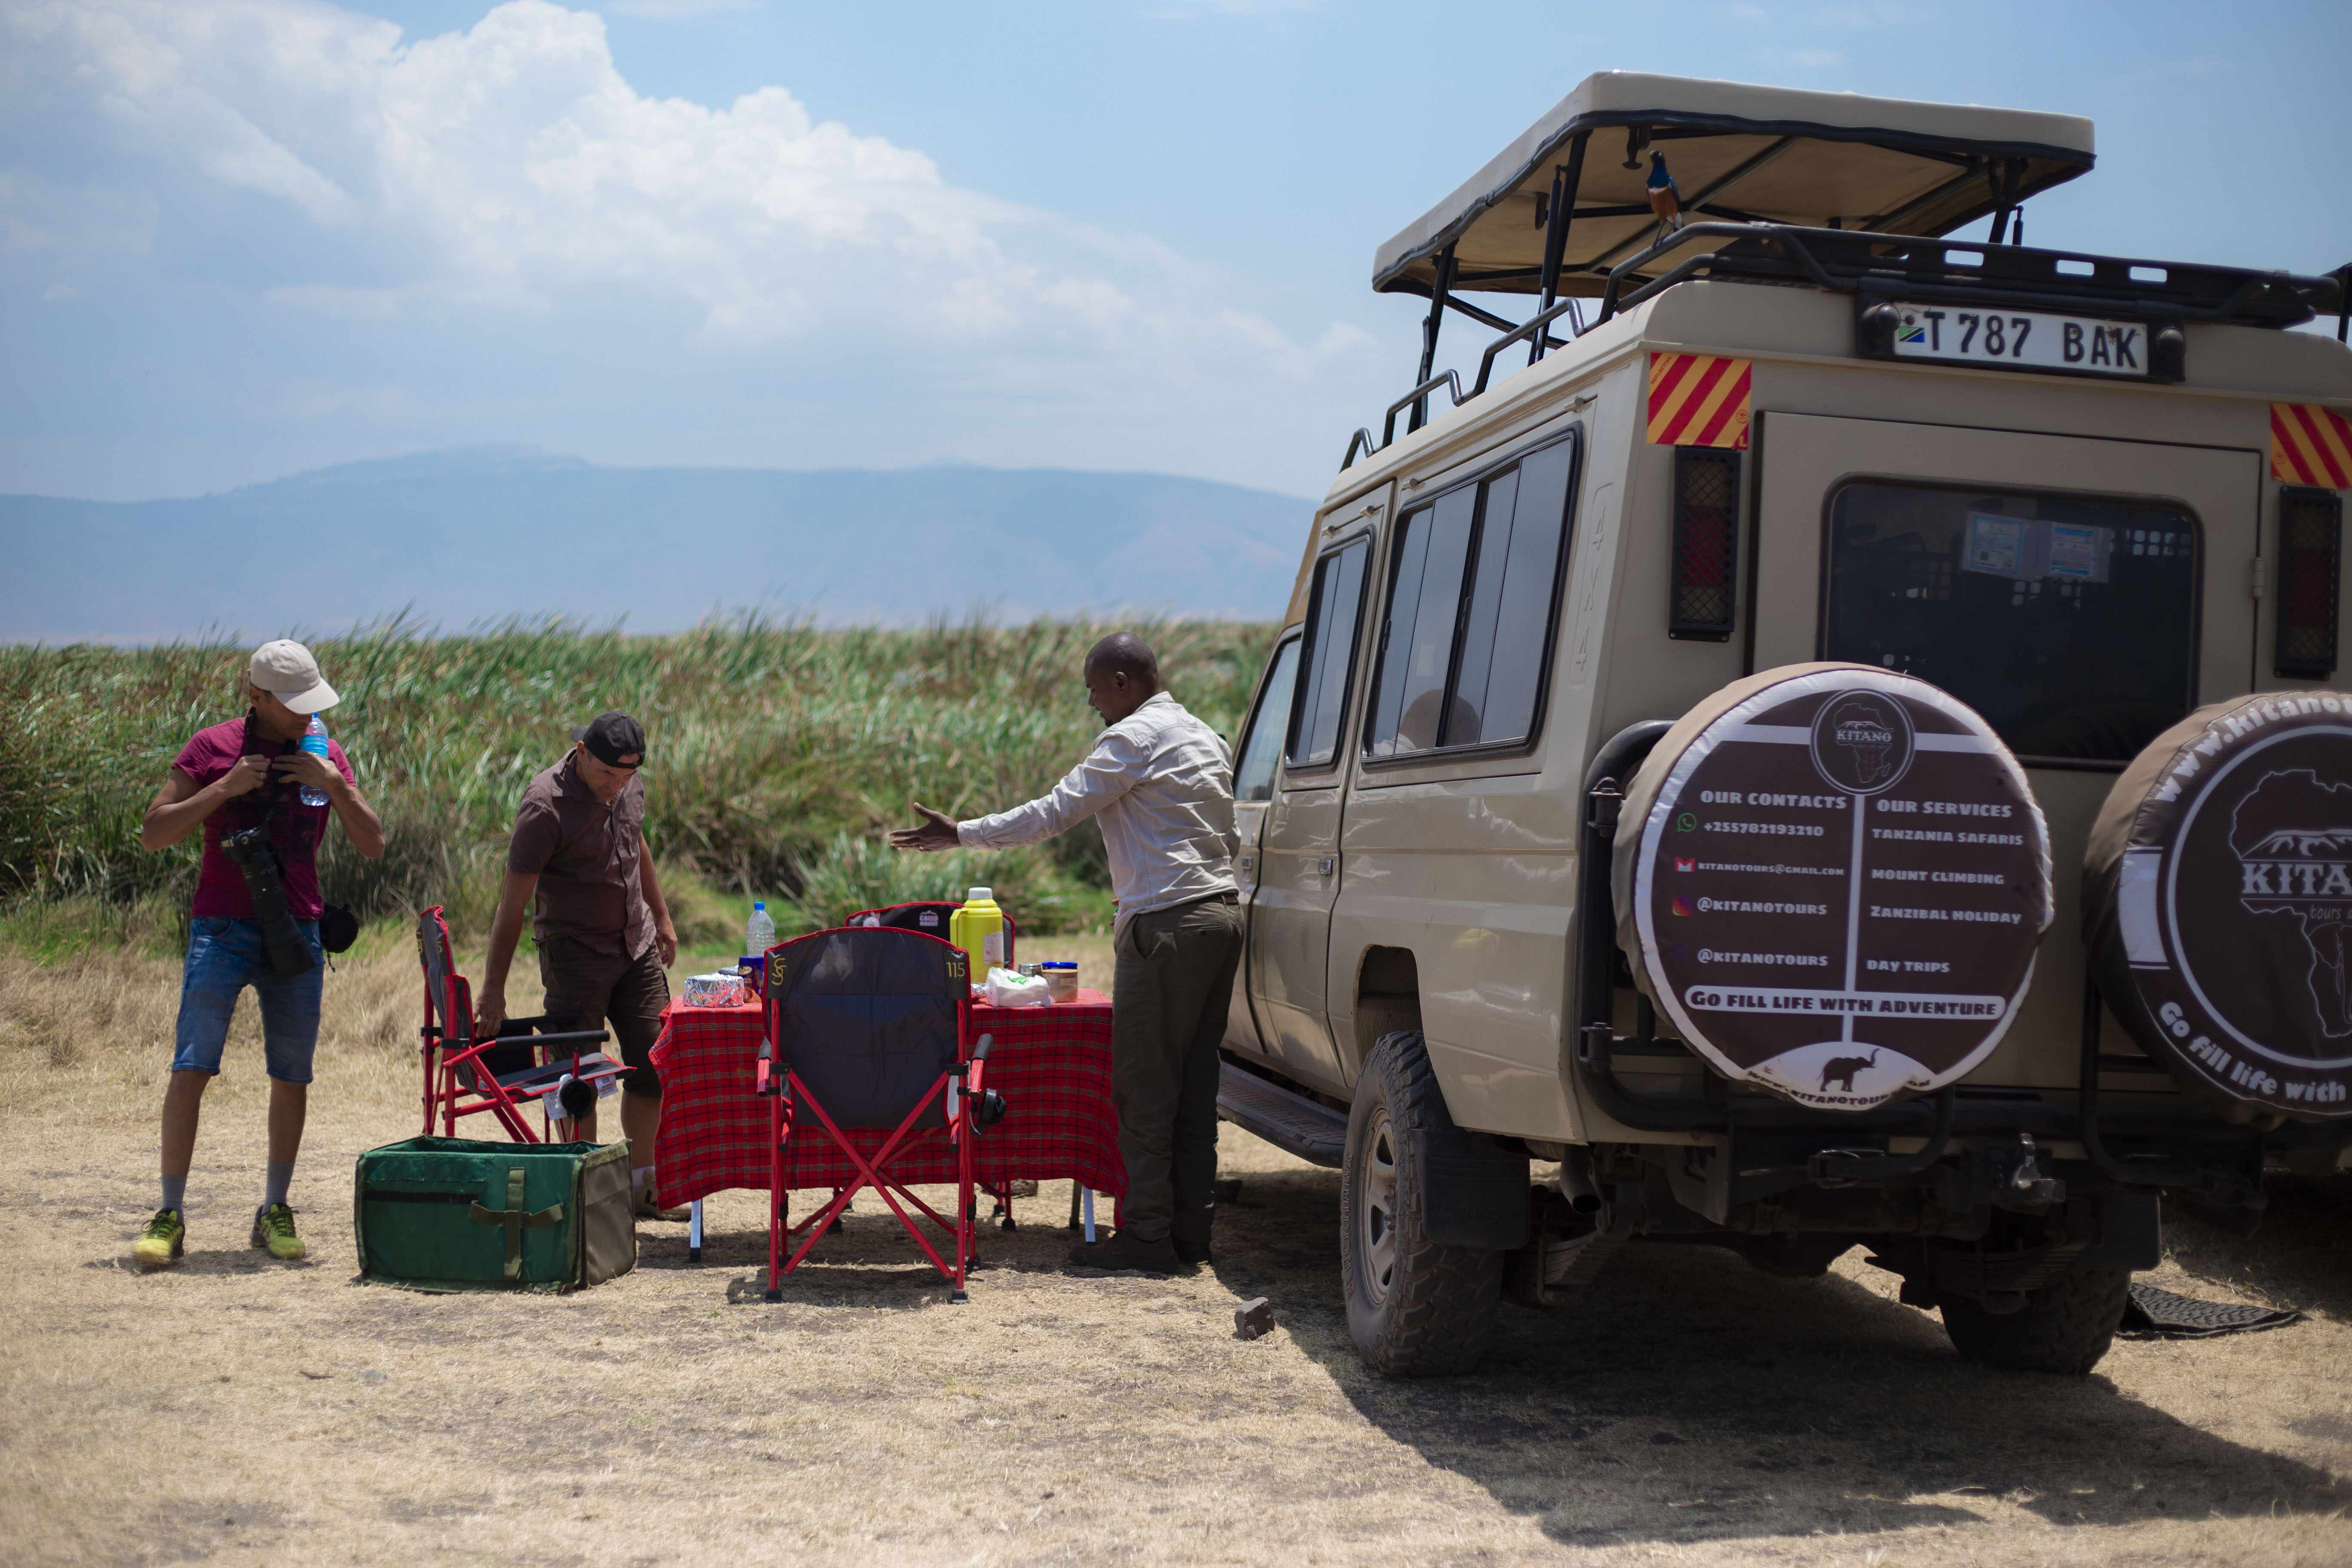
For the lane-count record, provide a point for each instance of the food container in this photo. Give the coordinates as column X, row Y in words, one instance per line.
column 1061, row 981
column 714, row 990
column 1007, row 988
column 753, row 968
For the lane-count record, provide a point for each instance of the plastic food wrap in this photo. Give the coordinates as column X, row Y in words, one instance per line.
column 714, row 990
column 1007, row 989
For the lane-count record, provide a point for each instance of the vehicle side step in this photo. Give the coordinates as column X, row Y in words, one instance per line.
column 1291, row 1122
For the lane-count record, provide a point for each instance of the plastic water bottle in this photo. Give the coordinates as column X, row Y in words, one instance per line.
column 759, row 931
column 314, row 741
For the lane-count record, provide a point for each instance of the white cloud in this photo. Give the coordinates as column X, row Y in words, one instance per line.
column 1801, row 59
column 370, row 243
column 511, row 167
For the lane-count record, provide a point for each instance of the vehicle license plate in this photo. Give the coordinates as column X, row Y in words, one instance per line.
column 1975, row 334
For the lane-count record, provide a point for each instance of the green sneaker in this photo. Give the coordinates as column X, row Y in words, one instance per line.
column 273, row 1227
column 166, row 1239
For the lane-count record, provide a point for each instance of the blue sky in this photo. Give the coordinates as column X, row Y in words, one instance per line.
column 244, row 237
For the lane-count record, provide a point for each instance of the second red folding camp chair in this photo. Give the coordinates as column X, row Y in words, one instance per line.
column 467, row 1077
column 867, row 1029
column 929, row 918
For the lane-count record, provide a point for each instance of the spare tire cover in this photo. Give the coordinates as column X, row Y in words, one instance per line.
column 2238, row 818
column 1833, row 880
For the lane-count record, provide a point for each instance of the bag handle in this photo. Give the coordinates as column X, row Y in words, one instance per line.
column 516, row 1219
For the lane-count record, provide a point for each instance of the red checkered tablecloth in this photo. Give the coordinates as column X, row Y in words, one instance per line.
column 1051, row 1063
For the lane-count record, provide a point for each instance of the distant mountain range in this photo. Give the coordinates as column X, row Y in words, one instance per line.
column 480, row 534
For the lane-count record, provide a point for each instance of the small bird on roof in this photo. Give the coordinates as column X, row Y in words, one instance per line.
column 1664, row 199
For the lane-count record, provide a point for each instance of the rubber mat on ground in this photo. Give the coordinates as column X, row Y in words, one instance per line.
column 2156, row 1314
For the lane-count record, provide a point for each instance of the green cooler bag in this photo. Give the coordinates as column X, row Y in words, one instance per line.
column 451, row 1214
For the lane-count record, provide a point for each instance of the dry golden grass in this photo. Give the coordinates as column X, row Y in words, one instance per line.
column 1688, row 1411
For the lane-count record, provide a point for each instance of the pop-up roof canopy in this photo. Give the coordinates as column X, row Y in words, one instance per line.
column 1818, row 160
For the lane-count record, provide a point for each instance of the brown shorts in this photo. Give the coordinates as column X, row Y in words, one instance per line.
column 625, row 996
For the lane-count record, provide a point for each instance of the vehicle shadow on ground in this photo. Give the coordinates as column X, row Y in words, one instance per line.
column 2301, row 1256
column 1688, row 1396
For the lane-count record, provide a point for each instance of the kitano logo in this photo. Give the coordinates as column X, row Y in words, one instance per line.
column 1862, row 742
column 1867, row 736
column 2292, row 835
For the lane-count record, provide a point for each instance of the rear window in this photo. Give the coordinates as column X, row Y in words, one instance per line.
column 2070, row 623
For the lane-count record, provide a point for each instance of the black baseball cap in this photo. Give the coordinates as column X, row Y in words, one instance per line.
column 610, row 737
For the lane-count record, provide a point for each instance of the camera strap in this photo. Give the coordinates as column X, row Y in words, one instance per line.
column 337, row 929
column 274, row 798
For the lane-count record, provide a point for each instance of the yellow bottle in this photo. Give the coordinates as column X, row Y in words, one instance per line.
column 978, row 928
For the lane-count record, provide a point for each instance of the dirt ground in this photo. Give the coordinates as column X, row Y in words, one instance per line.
column 1690, row 1410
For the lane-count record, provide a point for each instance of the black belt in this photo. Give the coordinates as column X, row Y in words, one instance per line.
column 1225, row 898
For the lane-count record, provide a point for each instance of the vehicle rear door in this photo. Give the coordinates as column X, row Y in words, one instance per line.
column 1299, row 850
column 2081, row 594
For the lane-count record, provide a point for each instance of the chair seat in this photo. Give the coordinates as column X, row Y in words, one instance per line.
column 594, row 1065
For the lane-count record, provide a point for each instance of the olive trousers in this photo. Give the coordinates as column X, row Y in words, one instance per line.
column 1174, row 980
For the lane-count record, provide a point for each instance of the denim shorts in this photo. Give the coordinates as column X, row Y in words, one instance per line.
column 224, row 957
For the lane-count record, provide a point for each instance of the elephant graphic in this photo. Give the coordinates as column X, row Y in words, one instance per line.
column 1840, row 1070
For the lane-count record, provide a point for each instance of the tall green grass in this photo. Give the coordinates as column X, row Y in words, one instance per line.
column 778, row 753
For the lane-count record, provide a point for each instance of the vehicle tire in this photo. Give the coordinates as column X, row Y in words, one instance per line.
column 2064, row 1327
column 1415, row 1307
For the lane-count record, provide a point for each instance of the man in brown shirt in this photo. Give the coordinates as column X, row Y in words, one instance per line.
column 604, row 933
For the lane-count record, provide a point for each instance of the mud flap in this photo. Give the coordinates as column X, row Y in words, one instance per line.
column 1474, row 1189
column 2131, row 1234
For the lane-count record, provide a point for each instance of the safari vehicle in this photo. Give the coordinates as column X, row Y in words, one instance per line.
column 1769, row 745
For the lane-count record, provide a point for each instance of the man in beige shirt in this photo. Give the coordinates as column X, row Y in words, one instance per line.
column 604, row 936
column 1161, row 783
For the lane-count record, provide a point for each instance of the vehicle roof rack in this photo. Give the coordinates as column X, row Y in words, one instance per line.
column 1926, row 269
column 1748, row 153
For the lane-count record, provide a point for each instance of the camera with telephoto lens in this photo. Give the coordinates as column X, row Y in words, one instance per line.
column 249, row 850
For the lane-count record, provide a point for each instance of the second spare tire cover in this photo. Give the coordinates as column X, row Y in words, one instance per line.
column 1833, row 880
column 2217, row 901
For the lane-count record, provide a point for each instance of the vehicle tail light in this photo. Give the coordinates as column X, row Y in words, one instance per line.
column 2311, row 561
column 1707, row 544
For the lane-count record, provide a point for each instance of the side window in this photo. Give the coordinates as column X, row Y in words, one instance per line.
column 1253, row 771
column 1327, row 657
column 1472, row 590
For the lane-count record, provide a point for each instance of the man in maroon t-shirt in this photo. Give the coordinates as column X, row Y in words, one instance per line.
column 230, row 777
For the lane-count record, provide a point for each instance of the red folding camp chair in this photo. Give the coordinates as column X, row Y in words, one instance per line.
column 866, row 1028
column 930, row 918
column 465, row 1077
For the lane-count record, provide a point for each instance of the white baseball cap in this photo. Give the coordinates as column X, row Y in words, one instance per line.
column 286, row 668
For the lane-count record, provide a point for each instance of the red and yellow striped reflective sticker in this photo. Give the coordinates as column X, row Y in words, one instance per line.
column 1698, row 400
column 2309, row 445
